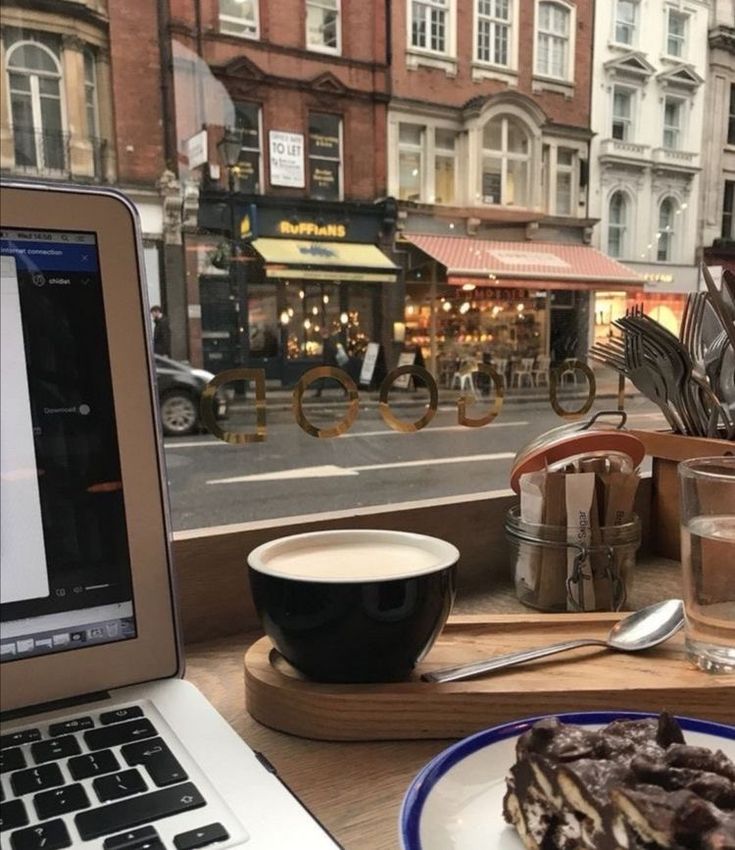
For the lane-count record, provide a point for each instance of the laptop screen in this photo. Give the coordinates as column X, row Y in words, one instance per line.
column 65, row 581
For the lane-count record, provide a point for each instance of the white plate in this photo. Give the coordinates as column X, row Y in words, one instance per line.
column 456, row 801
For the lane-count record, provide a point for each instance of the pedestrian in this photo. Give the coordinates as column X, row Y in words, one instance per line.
column 329, row 358
column 161, row 332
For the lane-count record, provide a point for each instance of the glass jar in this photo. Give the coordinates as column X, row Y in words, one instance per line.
column 554, row 572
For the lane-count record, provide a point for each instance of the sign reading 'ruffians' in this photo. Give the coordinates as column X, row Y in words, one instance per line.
column 311, row 228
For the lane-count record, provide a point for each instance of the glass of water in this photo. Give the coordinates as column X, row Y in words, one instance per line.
column 707, row 488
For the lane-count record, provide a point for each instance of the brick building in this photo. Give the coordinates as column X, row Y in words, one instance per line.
column 305, row 87
column 488, row 151
column 81, row 102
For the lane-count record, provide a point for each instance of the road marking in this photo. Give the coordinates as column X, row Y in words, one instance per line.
column 329, row 471
column 170, row 444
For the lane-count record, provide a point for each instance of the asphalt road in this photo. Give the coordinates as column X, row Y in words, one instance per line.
column 292, row 473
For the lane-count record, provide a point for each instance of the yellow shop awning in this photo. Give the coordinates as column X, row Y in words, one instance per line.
column 348, row 261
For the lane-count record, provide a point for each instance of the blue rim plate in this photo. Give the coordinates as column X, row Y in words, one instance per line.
column 436, row 794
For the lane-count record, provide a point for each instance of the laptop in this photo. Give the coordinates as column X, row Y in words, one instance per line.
column 104, row 744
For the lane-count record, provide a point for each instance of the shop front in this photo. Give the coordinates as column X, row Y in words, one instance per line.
column 302, row 272
column 520, row 306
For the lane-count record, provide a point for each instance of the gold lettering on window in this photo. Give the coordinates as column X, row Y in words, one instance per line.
column 389, row 417
column 206, row 406
column 555, row 375
column 463, row 419
column 305, row 381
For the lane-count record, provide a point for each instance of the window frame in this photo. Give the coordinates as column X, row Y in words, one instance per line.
column 340, row 161
column 569, row 39
column 231, row 19
column 510, row 24
column 446, row 154
column 322, row 4
column 419, row 148
column 730, row 139
column 616, row 20
column 448, row 7
column 573, row 171
column 630, row 126
column 622, row 228
column 35, row 96
column 91, row 85
column 684, row 39
column 505, row 156
column 728, row 211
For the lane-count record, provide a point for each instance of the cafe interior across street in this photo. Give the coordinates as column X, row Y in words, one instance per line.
column 474, row 300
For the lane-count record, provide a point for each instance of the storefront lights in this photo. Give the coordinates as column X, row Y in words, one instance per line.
column 307, row 324
column 344, row 318
column 464, row 307
column 314, row 311
column 325, row 299
column 468, row 287
column 301, row 294
column 285, row 318
column 446, row 306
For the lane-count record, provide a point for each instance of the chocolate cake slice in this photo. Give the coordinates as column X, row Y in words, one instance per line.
column 633, row 785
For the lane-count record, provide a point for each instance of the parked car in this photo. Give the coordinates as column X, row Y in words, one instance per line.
column 180, row 389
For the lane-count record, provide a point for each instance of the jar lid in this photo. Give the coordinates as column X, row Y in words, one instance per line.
column 589, row 437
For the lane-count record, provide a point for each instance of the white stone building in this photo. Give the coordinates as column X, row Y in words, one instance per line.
column 648, row 96
column 718, row 140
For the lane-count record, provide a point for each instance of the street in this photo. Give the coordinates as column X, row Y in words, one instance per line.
column 291, row 473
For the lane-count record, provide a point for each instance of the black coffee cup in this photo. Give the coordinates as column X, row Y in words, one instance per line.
column 362, row 605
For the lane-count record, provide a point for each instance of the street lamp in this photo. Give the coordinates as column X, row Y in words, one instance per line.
column 229, row 147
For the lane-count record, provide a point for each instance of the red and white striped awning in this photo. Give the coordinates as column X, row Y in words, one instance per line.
column 530, row 265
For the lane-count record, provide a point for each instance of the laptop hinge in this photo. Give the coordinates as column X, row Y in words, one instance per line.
column 54, row 706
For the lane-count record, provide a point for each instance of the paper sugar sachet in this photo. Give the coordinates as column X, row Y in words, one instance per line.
column 532, row 511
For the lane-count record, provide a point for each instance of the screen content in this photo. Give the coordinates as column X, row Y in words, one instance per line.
column 65, row 581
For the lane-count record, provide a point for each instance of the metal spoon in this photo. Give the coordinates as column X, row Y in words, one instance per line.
column 640, row 630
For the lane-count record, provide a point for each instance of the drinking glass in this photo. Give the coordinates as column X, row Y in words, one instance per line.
column 707, row 488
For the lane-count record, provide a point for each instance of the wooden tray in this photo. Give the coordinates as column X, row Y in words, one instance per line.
column 583, row 679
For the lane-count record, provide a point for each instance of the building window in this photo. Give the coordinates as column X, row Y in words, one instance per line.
column 728, row 210
column 565, row 166
column 505, row 162
column 665, row 235
column 34, row 78
column 239, row 17
column 247, row 120
column 731, row 117
column 673, row 108
column 444, row 166
column 90, row 94
column 430, row 25
column 552, row 40
column 676, row 32
column 325, row 156
column 493, row 31
column 617, row 225
column 322, row 25
column 410, row 161
column 622, row 114
column 626, row 12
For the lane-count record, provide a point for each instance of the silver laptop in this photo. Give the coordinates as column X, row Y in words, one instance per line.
column 104, row 744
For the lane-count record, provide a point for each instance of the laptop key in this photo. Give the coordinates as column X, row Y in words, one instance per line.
column 134, row 811
column 201, row 837
column 11, row 759
column 121, row 714
column 51, row 804
column 120, row 733
column 36, row 779
column 119, row 785
column 93, row 764
column 69, row 726
column 135, row 839
column 25, row 736
column 12, row 815
column 51, row 835
column 157, row 759
column 56, row 748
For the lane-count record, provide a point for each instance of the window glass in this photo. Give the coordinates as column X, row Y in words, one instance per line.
column 322, row 24
column 90, row 93
column 565, row 160
column 728, row 210
column 622, row 114
column 672, row 122
column 247, row 120
column 552, row 40
column 325, row 156
column 617, row 225
column 665, row 235
column 410, row 162
column 676, row 33
column 444, row 166
column 239, row 17
column 505, row 178
column 493, row 31
column 625, row 19
column 430, row 25
column 731, row 117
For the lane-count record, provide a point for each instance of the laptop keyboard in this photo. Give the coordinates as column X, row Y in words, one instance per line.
column 109, row 776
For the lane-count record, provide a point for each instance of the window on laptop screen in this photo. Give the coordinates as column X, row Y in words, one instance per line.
column 65, row 581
